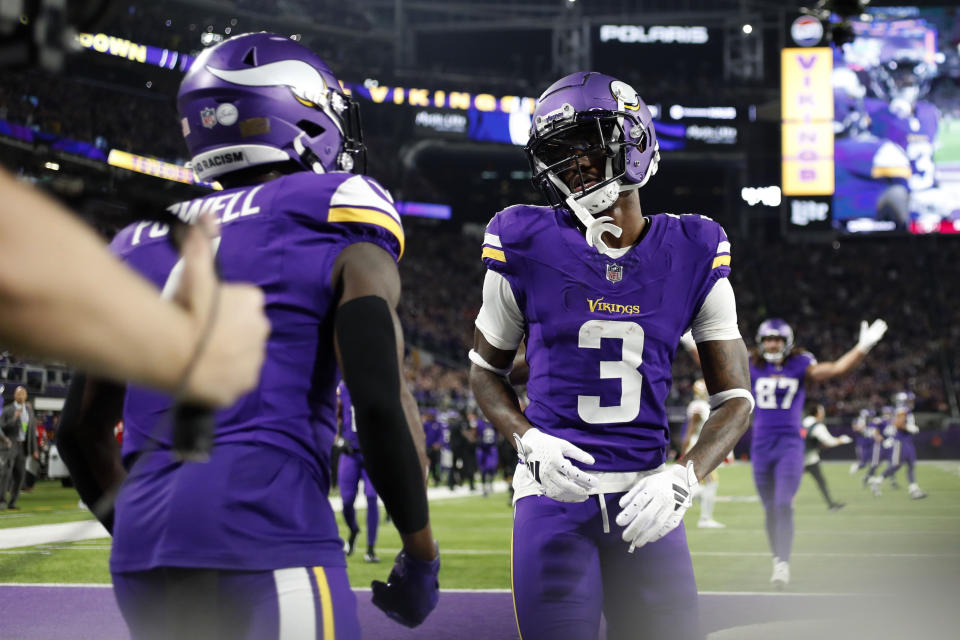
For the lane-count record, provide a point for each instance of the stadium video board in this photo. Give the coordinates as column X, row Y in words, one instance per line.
column 887, row 159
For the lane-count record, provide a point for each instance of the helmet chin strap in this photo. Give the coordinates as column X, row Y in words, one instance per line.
column 595, row 227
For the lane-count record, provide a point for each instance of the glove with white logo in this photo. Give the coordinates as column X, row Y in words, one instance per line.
column 656, row 504
column 546, row 458
column 870, row 334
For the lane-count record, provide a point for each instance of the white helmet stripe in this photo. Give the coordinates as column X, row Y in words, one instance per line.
column 305, row 81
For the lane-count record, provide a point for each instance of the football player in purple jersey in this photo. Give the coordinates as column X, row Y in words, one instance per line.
column 871, row 173
column 779, row 373
column 902, row 449
column 900, row 80
column 245, row 545
column 350, row 470
column 487, row 454
column 602, row 293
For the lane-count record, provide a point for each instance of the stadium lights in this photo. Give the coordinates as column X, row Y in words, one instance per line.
column 53, row 166
column 748, row 29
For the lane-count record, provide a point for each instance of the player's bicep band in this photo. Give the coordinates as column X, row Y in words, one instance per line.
column 718, row 399
column 717, row 317
column 478, row 360
column 499, row 320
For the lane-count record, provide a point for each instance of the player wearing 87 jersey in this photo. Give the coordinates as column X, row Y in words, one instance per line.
column 779, row 373
column 601, row 294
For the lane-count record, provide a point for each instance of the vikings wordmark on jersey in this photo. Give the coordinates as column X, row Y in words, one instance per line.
column 600, row 349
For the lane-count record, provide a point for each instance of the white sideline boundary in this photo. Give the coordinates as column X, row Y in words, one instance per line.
column 14, row 537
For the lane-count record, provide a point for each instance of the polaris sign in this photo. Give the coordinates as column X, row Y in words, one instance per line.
column 634, row 34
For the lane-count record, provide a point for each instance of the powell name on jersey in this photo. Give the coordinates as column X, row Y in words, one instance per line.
column 602, row 332
column 283, row 236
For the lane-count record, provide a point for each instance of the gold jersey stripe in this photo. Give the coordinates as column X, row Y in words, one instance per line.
column 891, row 172
column 494, row 254
column 721, row 261
column 326, row 604
column 369, row 216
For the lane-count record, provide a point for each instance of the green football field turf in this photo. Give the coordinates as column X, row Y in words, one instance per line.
column 852, row 550
column 948, row 150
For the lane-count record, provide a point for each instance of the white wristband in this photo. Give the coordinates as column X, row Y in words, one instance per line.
column 718, row 399
column 478, row 360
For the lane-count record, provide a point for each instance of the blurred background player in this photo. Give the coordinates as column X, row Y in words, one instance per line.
column 697, row 413
column 902, row 448
column 487, row 453
column 882, row 430
column 350, row 470
column 594, row 437
column 246, row 544
column 780, row 373
column 433, row 432
column 816, row 435
column 870, row 173
column 863, row 439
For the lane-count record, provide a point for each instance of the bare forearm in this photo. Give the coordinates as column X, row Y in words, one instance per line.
column 721, row 432
column 82, row 306
column 499, row 402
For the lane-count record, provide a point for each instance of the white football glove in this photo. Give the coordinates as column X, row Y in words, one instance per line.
column 870, row 334
column 546, row 458
column 845, row 439
column 656, row 504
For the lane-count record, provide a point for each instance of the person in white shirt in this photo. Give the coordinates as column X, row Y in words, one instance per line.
column 816, row 435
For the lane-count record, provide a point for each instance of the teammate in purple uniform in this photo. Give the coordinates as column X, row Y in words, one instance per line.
column 602, row 294
column 779, row 373
column 350, row 470
column 901, row 79
column 245, row 545
column 487, row 454
column 871, row 173
column 902, row 448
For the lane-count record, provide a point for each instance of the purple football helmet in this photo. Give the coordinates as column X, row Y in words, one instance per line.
column 261, row 98
column 904, row 399
column 591, row 114
column 775, row 328
column 902, row 73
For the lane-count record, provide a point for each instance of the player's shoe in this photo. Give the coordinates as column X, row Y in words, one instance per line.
column 371, row 557
column 351, row 541
column 916, row 493
column 836, row 506
column 875, row 483
column 710, row 523
column 781, row 574
column 854, row 468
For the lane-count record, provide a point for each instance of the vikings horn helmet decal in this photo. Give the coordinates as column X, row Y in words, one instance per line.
column 284, row 105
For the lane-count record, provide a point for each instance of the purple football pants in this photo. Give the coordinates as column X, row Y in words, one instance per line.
column 566, row 571
column 349, row 472
column 777, row 471
column 903, row 452
column 300, row 602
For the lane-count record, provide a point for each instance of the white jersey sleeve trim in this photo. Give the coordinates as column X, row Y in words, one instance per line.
column 500, row 320
column 717, row 318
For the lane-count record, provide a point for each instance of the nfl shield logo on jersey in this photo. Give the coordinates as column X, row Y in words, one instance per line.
column 208, row 117
column 614, row 272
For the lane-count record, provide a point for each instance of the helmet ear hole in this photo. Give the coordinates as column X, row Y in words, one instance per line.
column 251, row 58
column 312, row 129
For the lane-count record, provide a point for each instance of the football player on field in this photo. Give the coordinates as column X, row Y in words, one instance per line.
column 245, row 545
column 779, row 373
column 697, row 413
column 902, row 449
column 350, row 471
column 602, row 293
